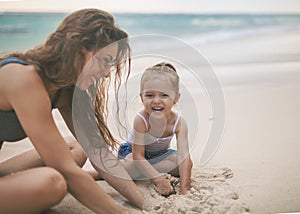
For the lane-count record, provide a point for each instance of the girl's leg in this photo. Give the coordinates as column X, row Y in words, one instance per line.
column 128, row 164
column 130, row 167
column 170, row 165
column 31, row 159
column 31, row 191
column 167, row 165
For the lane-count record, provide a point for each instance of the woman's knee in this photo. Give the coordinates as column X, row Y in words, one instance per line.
column 77, row 151
column 51, row 184
column 35, row 190
column 79, row 156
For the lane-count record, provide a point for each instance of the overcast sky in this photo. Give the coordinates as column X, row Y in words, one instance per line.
column 150, row 6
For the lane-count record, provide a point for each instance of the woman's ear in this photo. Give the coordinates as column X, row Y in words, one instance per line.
column 177, row 97
column 87, row 55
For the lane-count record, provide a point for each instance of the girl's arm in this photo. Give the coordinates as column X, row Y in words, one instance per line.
column 163, row 185
column 30, row 100
column 184, row 159
column 118, row 177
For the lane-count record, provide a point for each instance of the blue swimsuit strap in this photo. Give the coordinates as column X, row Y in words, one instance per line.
column 17, row 60
column 13, row 60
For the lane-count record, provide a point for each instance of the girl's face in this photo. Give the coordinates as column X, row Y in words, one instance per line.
column 97, row 65
column 158, row 97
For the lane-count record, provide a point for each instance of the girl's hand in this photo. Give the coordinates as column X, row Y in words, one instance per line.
column 147, row 206
column 163, row 186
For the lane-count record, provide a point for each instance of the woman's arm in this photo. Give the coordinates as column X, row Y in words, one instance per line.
column 29, row 98
column 117, row 177
column 183, row 155
column 64, row 106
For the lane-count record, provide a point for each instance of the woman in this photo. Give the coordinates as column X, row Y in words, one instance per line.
column 31, row 85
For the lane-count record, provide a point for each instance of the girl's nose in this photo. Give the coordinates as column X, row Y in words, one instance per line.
column 156, row 99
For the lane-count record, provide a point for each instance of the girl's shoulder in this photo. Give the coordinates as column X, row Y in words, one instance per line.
column 179, row 122
column 142, row 114
column 141, row 121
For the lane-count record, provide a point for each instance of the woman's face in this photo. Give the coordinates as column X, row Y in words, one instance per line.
column 97, row 65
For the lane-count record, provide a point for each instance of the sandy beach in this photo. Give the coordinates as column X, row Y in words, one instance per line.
column 261, row 138
column 256, row 167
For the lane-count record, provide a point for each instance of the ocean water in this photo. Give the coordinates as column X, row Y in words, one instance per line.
column 20, row 31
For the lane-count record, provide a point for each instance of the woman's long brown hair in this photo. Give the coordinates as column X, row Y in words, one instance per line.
column 60, row 59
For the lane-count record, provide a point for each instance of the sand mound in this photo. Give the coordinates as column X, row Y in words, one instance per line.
column 210, row 193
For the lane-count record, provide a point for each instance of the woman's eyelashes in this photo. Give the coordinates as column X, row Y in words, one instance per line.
column 108, row 61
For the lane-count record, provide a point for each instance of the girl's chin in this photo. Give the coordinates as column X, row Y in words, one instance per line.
column 157, row 114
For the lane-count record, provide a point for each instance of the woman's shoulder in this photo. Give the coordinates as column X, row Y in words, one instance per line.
column 14, row 68
column 18, row 75
column 19, row 80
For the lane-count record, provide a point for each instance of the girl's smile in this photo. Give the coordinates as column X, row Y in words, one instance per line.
column 158, row 97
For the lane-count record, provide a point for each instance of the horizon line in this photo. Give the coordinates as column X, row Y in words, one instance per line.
column 158, row 12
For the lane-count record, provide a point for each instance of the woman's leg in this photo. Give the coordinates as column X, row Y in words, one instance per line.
column 31, row 159
column 31, row 191
column 76, row 150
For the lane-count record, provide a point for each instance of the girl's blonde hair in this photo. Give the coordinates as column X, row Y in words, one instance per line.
column 160, row 70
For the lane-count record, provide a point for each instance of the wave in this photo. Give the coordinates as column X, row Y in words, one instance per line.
column 195, row 29
column 13, row 30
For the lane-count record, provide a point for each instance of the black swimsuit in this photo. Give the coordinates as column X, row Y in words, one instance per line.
column 10, row 127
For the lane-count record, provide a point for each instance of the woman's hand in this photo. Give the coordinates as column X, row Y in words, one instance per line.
column 147, row 205
column 163, row 186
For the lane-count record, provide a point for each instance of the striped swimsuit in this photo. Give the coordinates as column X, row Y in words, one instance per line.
column 156, row 148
